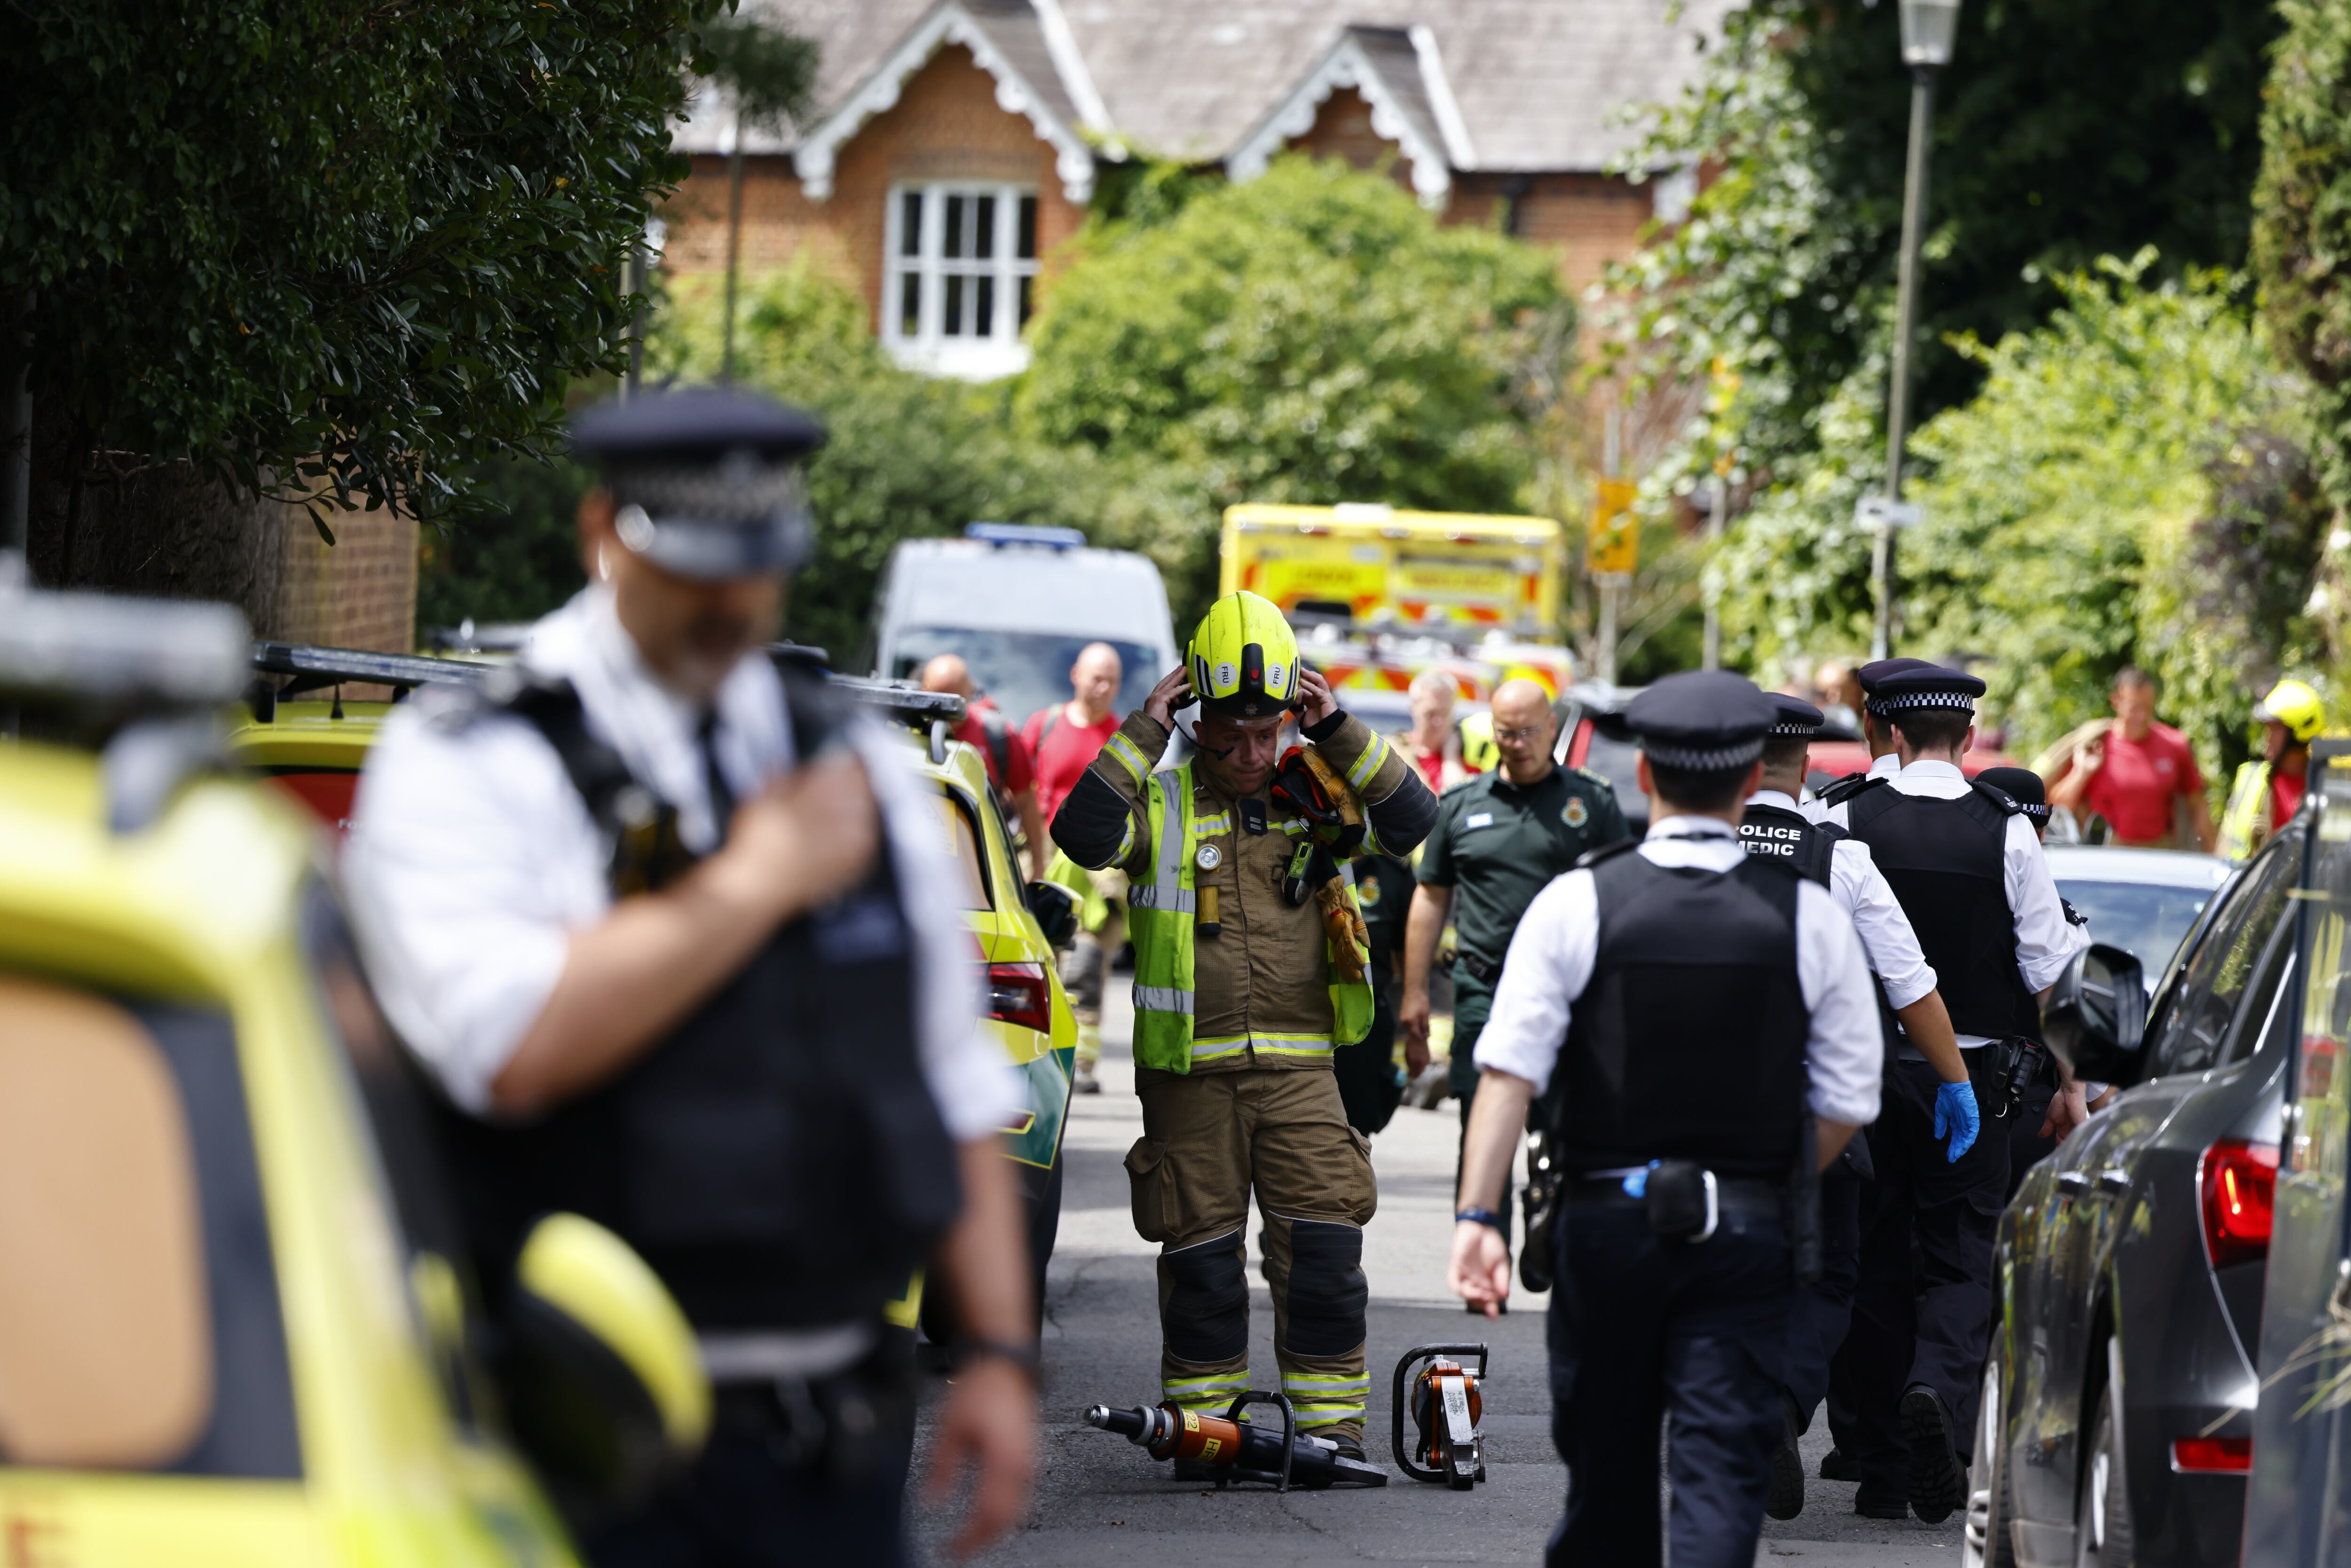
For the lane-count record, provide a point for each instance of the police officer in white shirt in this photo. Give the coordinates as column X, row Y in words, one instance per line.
column 1713, row 1022
column 1912, row 1012
column 678, row 937
column 1883, row 760
column 1969, row 873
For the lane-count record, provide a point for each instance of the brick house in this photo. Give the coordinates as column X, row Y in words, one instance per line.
column 954, row 143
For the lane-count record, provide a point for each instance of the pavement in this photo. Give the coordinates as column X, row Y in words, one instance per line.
column 1100, row 1499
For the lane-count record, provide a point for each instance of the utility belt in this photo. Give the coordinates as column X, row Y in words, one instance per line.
column 829, row 1402
column 1478, row 967
column 1676, row 1188
column 2007, row 1068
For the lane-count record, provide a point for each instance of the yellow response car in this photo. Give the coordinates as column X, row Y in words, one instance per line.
column 314, row 745
column 233, row 1332
column 1017, row 926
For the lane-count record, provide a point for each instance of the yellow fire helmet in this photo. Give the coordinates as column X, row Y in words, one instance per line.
column 2294, row 705
column 1479, row 752
column 1244, row 658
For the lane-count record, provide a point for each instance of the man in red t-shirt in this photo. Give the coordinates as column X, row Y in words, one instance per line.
column 1010, row 767
column 2136, row 774
column 1065, row 738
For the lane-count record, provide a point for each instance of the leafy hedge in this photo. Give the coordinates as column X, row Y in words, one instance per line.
column 2126, row 488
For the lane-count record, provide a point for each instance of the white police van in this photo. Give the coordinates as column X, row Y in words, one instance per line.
column 1018, row 603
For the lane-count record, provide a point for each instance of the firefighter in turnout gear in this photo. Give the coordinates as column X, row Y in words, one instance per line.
column 1911, row 1009
column 1710, row 1016
column 1968, row 870
column 1250, row 968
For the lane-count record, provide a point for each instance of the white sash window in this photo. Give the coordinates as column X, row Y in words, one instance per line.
column 962, row 269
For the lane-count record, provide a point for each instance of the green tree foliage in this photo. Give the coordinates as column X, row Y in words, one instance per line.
column 2303, row 228
column 1313, row 336
column 911, row 456
column 2124, row 489
column 769, row 72
column 2065, row 129
column 516, row 559
column 314, row 245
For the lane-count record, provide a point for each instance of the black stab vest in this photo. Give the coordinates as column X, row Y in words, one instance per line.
column 1689, row 1041
column 1805, row 847
column 776, row 1158
column 1809, row 849
column 1946, row 862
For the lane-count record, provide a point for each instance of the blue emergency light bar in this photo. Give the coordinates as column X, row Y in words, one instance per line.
column 1023, row 534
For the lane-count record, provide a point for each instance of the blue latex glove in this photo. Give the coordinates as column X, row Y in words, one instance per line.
column 1956, row 1113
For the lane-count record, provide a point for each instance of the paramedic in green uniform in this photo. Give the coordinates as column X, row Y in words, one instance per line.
column 1500, row 839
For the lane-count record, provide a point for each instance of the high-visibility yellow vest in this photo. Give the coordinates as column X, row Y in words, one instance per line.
column 2245, row 821
column 1161, row 914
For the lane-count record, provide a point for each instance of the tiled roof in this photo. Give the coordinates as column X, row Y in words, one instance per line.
column 1539, row 84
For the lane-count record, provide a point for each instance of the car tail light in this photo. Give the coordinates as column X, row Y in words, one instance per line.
column 1018, row 993
column 2239, row 1179
column 2212, row 1456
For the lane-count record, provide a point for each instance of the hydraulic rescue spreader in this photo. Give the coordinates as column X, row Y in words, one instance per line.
column 1242, row 1452
column 1446, row 1408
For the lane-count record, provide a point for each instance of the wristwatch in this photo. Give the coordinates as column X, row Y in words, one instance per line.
column 1023, row 1356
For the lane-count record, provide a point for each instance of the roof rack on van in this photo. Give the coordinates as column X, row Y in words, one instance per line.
column 1024, row 534
column 936, row 712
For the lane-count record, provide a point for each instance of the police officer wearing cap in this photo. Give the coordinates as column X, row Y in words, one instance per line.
column 1970, row 874
column 1710, row 1016
column 1883, row 761
column 676, row 937
column 1911, row 1008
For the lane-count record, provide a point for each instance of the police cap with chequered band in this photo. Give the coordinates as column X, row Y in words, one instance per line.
column 1929, row 687
column 1702, row 721
column 1869, row 674
column 705, row 482
column 1794, row 718
column 2022, row 786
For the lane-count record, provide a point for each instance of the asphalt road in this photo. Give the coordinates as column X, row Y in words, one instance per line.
column 1101, row 1501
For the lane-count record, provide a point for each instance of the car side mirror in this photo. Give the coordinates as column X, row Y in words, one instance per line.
column 2095, row 1021
column 1056, row 909
column 603, row 1382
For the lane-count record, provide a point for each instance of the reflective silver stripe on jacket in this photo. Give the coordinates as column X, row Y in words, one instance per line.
column 1163, row 999
column 1166, row 890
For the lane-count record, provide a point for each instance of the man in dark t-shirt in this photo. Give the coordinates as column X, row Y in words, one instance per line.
column 1499, row 840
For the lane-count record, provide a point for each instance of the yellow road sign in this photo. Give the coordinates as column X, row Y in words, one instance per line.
column 1613, row 544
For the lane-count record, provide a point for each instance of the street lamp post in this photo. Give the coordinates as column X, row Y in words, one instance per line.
column 1928, row 28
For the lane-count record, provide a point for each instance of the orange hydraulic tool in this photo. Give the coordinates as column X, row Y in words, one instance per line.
column 1282, row 1458
column 1446, row 1407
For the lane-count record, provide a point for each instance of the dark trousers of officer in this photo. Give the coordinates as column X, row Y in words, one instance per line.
column 1816, row 1327
column 1691, row 1333
column 743, row 1506
column 2026, row 1146
column 1922, row 1310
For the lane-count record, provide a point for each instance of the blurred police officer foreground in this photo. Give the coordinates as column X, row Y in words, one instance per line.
column 676, row 936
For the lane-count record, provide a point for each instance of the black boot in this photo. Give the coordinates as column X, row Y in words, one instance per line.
column 1938, row 1482
column 1787, row 1496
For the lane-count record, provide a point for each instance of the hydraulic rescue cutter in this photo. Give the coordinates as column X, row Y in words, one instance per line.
column 1446, row 1407
column 1239, row 1450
